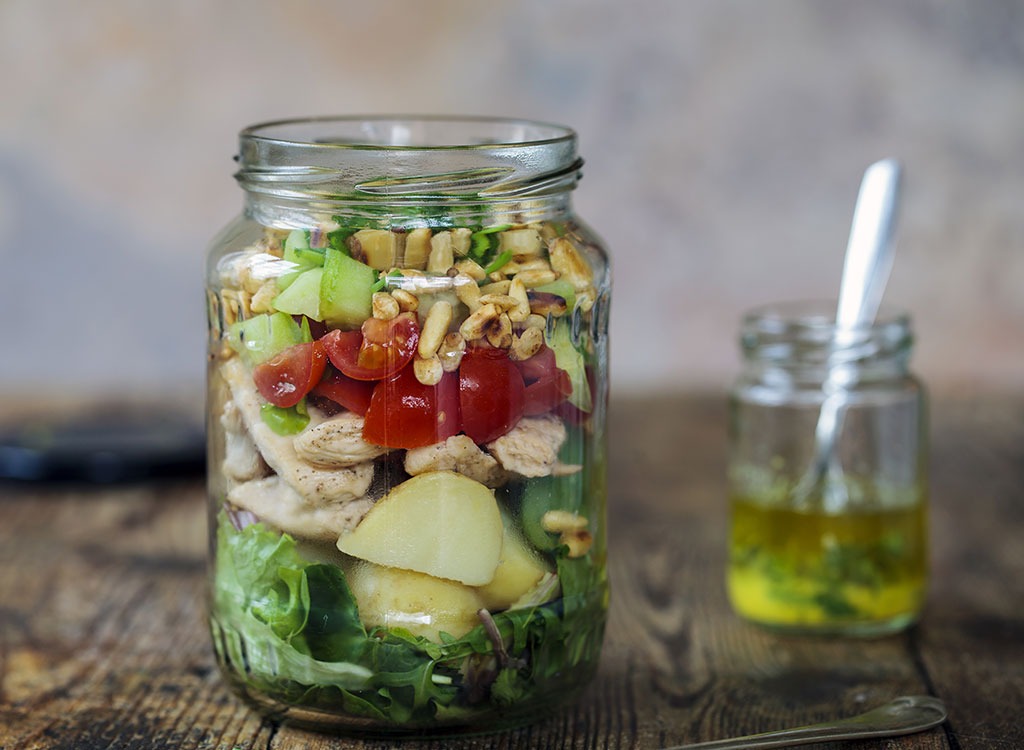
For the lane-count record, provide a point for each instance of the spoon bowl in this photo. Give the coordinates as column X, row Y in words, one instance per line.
column 907, row 714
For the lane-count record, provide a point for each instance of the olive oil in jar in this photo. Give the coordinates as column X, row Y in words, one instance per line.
column 851, row 557
column 860, row 572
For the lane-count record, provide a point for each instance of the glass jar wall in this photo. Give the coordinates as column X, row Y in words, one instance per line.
column 843, row 551
column 407, row 406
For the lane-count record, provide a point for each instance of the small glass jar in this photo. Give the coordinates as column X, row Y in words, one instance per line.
column 407, row 403
column 841, row 550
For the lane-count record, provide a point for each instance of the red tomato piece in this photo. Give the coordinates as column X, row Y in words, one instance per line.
column 287, row 377
column 378, row 351
column 353, row 394
column 571, row 414
column 404, row 413
column 539, row 365
column 491, row 394
column 546, row 385
column 547, row 392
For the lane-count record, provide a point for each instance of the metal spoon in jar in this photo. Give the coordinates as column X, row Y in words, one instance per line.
column 904, row 715
column 869, row 255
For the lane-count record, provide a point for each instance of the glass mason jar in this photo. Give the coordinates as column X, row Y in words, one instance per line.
column 842, row 550
column 407, row 397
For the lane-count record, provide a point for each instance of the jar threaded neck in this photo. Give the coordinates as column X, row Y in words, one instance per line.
column 408, row 159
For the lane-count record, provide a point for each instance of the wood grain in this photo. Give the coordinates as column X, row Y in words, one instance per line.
column 103, row 643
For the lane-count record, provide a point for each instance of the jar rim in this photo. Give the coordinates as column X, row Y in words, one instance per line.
column 286, row 132
column 804, row 333
column 407, row 159
column 815, row 315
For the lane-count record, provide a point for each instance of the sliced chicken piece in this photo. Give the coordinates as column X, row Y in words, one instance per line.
column 336, row 442
column 278, row 504
column 457, row 453
column 530, row 449
column 318, row 486
column 242, row 461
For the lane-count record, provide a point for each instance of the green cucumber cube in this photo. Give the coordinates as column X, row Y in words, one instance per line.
column 302, row 297
column 260, row 337
column 298, row 252
column 346, row 289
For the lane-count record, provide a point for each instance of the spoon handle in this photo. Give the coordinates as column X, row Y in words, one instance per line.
column 869, row 250
column 905, row 715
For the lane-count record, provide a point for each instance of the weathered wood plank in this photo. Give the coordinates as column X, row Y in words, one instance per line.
column 103, row 643
column 972, row 638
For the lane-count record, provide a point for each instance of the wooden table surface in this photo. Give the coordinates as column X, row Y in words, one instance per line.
column 103, row 642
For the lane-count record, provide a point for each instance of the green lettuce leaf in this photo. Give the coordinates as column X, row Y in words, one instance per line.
column 295, row 620
column 290, row 627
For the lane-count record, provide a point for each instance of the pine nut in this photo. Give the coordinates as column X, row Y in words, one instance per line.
column 558, row 521
column 496, row 287
column 499, row 332
column 543, row 303
column 538, row 277
column 434, row 328
column 526, row 344
column 428, row 370
column 442, row 256
column 384, row 306
column 407, row 301
column 474, row 326
column 471, row 268
column 502, row 301
column 451, row 351
column 517, row 291
column 468, row 292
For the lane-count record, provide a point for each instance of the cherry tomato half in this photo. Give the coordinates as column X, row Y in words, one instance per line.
column 540, row 365
column 546, row 385
column 353, row 394
column 404, row 413
column 378, row 351
column 491, row 394
column 547, row 392
column 284, row 379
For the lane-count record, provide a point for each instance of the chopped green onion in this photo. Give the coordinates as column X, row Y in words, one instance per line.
column 482, row 241
column 382, row 280
column 497, row 263
column 493, row 230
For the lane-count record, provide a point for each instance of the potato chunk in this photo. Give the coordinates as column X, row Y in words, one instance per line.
column 439, row 523
column 518, row 571
column 423, row 605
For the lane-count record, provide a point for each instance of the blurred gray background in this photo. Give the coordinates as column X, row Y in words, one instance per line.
column 724, row 141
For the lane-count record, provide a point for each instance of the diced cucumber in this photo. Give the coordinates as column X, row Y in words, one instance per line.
column 298, row 251
column 346, row 289
column 570, row 359
column 259, row 338
column 296, row 241
column 302, row 297
column 542, row 495
column 564, row 492
column 561, row 288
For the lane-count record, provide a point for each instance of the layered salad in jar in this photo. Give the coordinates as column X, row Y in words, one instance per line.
column 407, row 468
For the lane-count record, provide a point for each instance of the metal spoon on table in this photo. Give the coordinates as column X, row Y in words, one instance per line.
column 904, row 715
column 869, row 255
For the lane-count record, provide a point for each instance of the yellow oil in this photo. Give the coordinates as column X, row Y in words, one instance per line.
column 856, row 572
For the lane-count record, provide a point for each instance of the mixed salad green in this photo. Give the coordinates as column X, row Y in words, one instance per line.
column 408, row 422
